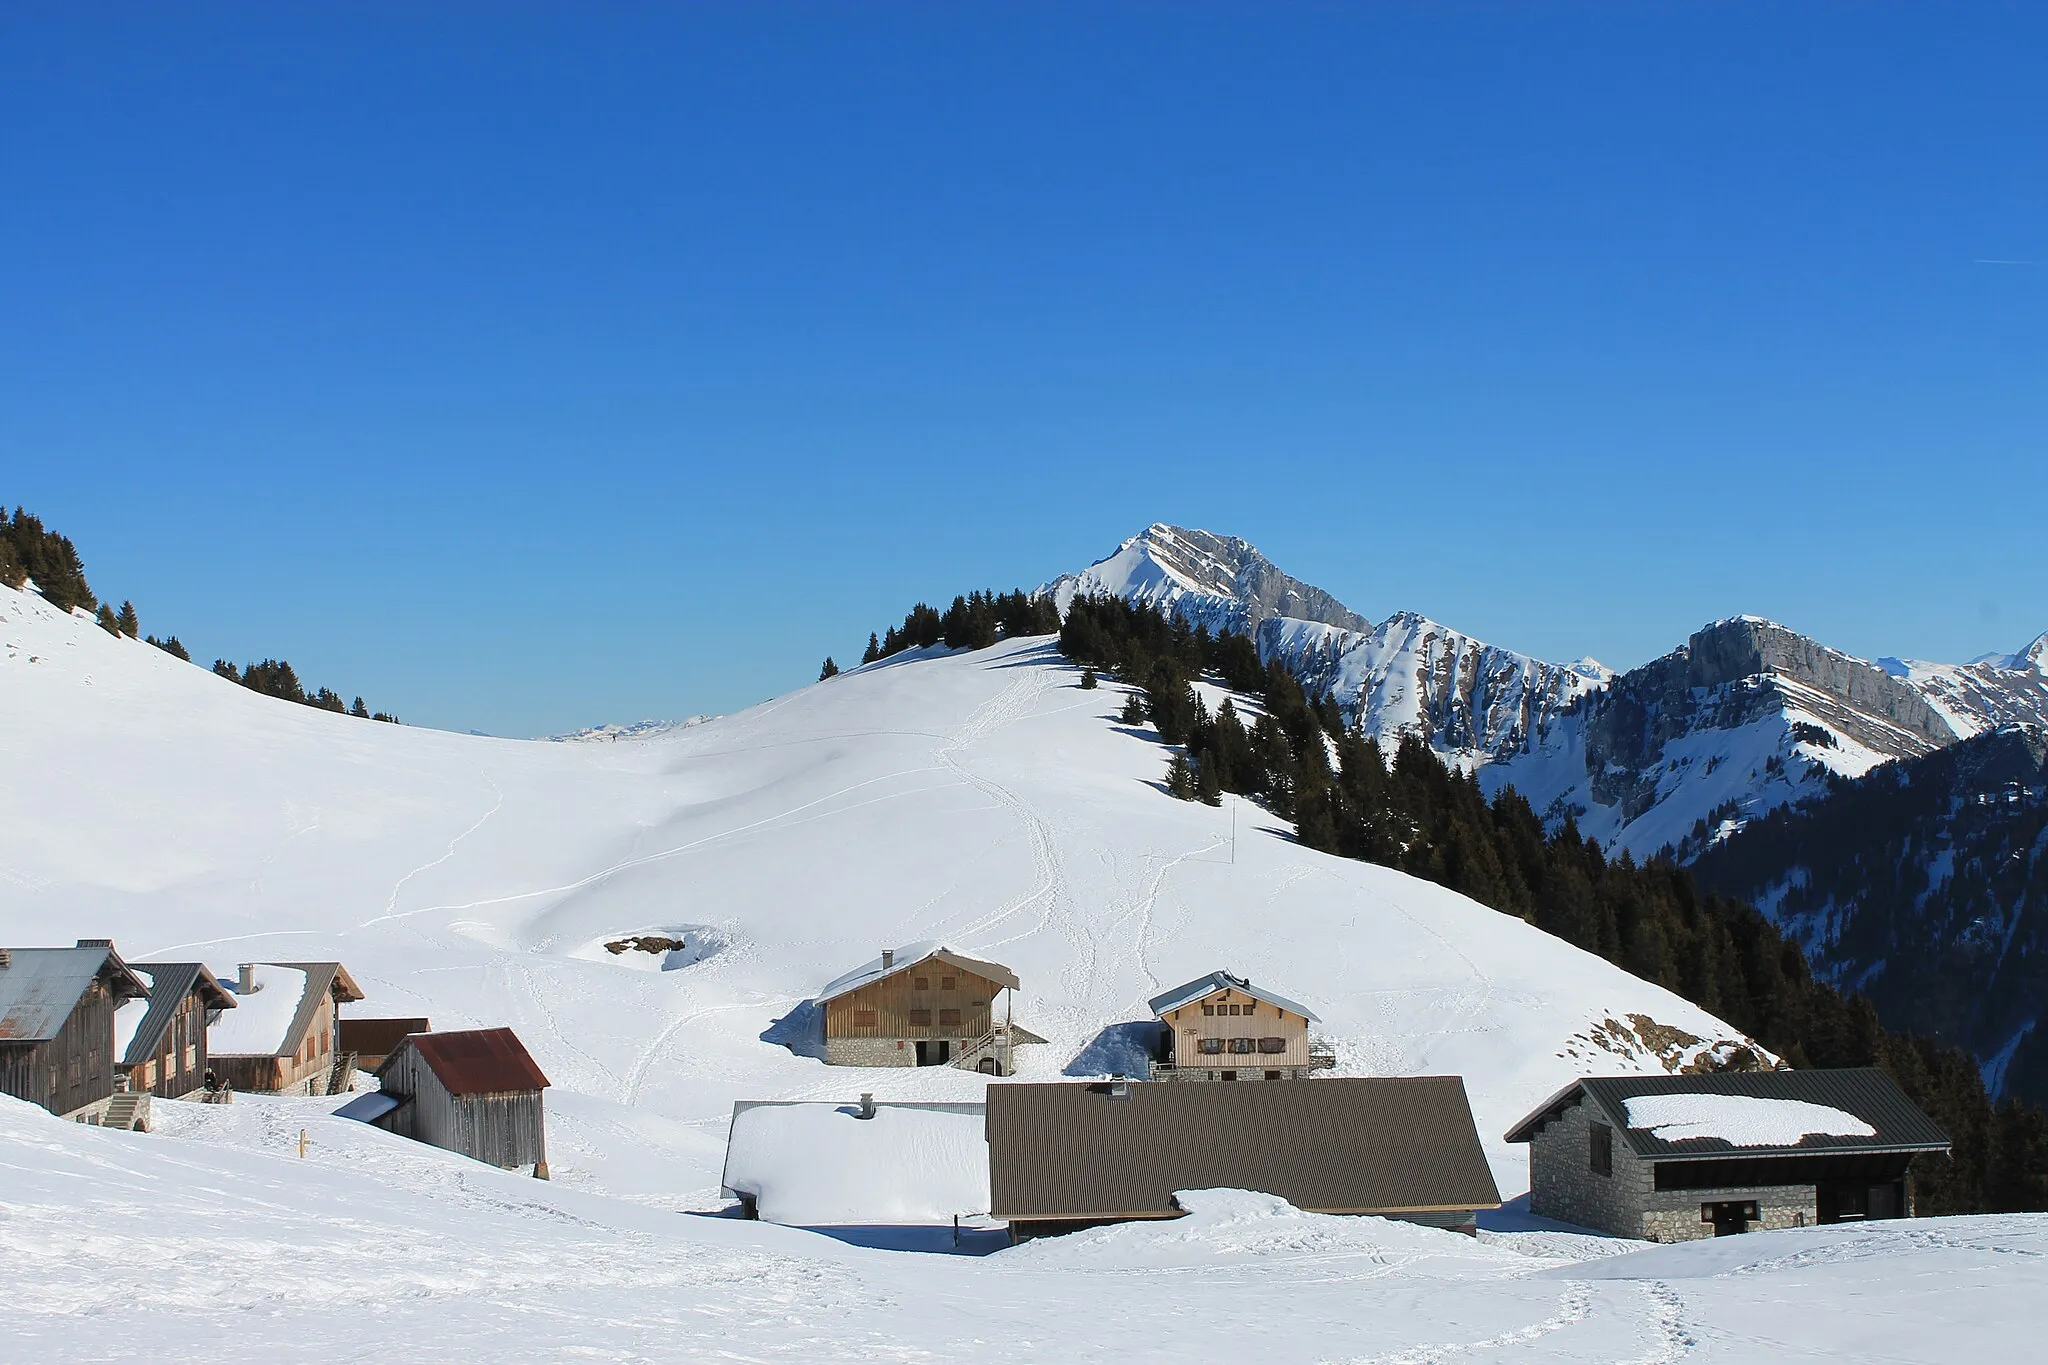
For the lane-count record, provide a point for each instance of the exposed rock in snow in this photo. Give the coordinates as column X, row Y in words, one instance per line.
column 1212, row 580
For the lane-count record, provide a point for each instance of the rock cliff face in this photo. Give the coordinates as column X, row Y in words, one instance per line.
column 1474, row 702
column 1215, row 581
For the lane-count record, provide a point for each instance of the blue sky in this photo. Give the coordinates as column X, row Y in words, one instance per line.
column 528, row 366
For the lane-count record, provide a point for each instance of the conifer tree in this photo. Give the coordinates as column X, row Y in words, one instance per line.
column 830, row 670
column 359, row 709
column 1088, row 680
column 171, row 646
column 1134, row 709
column 130, row 623
column 1207, row 788
column 873, row 651
column 1180, row 778
column 107, row 621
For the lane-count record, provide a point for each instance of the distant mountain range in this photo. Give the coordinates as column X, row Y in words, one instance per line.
column 1889, row 814
column 1744, row 717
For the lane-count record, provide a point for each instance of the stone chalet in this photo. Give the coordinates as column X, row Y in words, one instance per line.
column 924, row 1005
column 1672, row 1158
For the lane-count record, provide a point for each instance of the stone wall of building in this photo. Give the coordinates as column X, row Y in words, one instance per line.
column 1243, row 1073
column 1563, row 1184
column 869, row 1052
column 1674, row 1215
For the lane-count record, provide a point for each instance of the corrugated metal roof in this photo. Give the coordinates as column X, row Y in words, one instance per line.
column 39, row 987
column 485, row 1061
column 368, row 1107
column 1864, row 1091
column 376, row 1037
column 1217, row 981
column 171, row 982
column 907, row 957
column 1339, row 1145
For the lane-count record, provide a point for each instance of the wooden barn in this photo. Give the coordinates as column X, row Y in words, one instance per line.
column 476, row 1092
column 57, row 1024
column 162, row 1040
column 372, row 1040
column 1220, row 1027
column 923, row 1006
column 283, row 1035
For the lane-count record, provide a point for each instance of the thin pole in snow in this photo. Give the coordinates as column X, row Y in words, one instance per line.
column 1233, row 831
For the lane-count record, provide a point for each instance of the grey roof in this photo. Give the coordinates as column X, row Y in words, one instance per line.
column 1341, row 1145
column 39, row 987
column 368, row 1107
column 1216, row 981
column 1864, row 1091
column 170, row 982
column 322, row 979
column 907, row 957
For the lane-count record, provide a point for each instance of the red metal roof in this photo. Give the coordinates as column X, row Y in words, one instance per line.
column 485, row 1061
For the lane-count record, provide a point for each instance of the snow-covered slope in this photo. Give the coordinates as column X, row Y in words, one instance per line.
column 215, row 1240
column 979, row 799
column 1215, row 581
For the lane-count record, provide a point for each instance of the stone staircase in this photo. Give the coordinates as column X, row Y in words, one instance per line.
column 128, row 1110
column 993, row 1046
column 343, row 1078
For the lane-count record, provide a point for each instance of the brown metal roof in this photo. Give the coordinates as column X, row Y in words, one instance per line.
column 377, row 1037
column 1336, row 1145
column 484, row 1061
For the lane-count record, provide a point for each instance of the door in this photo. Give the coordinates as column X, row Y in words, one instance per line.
column 1730, row 1217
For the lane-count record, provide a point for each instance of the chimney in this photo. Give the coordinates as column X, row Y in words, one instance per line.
column 888, row 959
column 1119, row 1088
column 95, row 943
column 245, row 979
column 6, row 958
column 867, row 1105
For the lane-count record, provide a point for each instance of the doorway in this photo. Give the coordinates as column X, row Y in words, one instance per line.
column 934, row 1054
column 1730, row 1217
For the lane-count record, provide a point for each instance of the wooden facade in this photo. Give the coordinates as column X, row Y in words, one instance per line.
column 168, row 1056
column 484, row 1103
column 1230, row 1030
column 935, row 1009
column 65, row 1062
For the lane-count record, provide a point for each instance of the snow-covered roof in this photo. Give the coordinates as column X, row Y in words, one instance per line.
column 139, row 1025
column 909, row 956
column 1216, row 981
column 1749, row 1113
column 1740, row 1120
column 260, row 1025
column 819, row 1164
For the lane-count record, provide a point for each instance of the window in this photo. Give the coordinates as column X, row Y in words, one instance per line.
column 1272, row 1075
column 921, row 983
column 1211, row 1045
column 949, row 1017
column 945, row 983
column 1603, row 1150
column 1272, row 1045
column 865, row 1018
column 1208, row 1009
column 921, row 1018
column 1226, row 1075
column 1244, row 1044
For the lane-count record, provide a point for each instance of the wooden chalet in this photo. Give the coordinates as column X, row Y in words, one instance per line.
column 57, row 1025
column 372, row 1040
column 924, row 1005
column 1066, row 1156
column 477, row 1092
column 283, row 1036
column 1220, row 1027
column 163, row 1038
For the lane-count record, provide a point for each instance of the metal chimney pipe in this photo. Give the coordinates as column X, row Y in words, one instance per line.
column 888, row 958
column 867, row 1104
column 245, row 979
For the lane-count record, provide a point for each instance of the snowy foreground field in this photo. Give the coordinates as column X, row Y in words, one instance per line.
column 979, row 799
column 214, row 1240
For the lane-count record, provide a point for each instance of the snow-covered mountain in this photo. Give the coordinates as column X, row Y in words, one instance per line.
column 981, row 799
column 1214, row 581
column 1742, row 718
